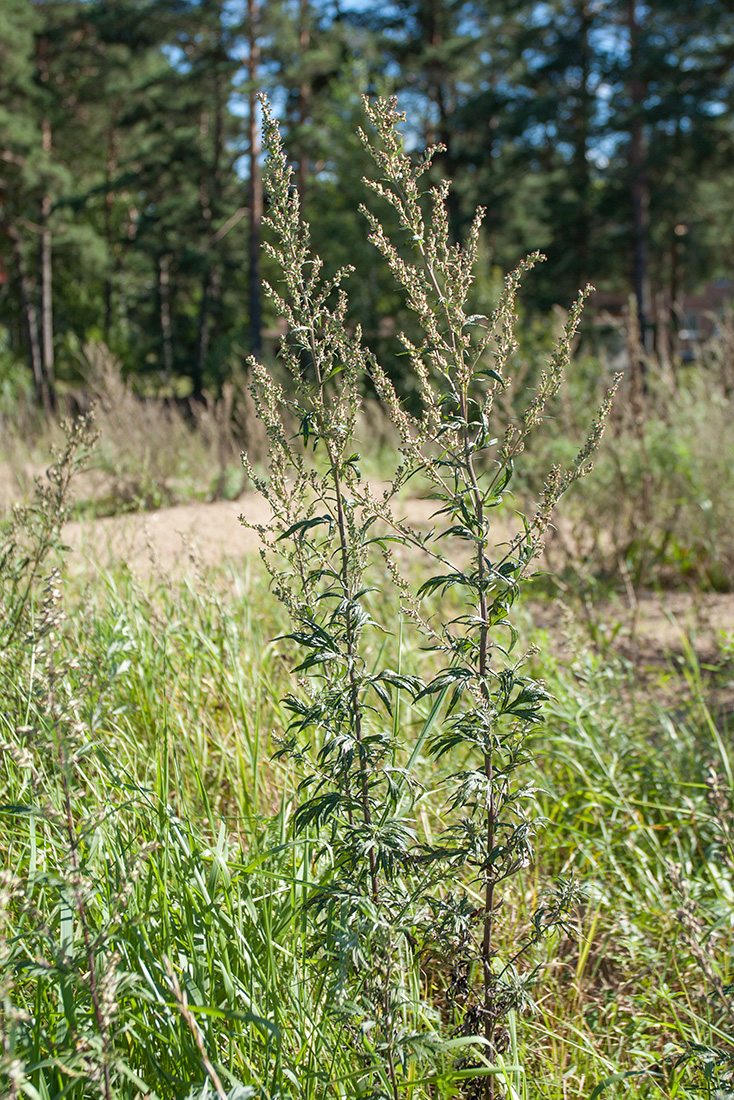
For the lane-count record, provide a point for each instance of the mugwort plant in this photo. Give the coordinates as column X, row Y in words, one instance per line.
column 410, row 930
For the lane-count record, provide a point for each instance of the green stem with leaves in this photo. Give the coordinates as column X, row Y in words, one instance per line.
column 485, row 712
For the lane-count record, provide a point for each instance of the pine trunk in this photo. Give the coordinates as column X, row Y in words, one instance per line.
column 30, row 320
column 255, row 185
column 46, row 277
column 580, row 164
column 304, row 97
column 210, row 202
column 109, row 202
column 640, row 190
column 442, row 95
column 164, row 294
column 205, row 206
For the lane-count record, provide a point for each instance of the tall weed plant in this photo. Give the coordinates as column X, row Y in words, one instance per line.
column 175, row 925
column 405, row 925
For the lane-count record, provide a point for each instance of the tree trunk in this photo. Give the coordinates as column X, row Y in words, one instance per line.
column 304, row 97
column 255, row 185
column 109, row 202
column 640, row 190
column 30, row 320
column 164, row 295
column 46, row 276
column 580, row 163
column 205, row 205
column 210, row 188
column 441, row 93
column 202, row 334
column 45, row 259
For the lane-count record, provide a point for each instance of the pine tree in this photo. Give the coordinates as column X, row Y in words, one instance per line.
column 22, row 163
column 669, row 70
column 557, row 111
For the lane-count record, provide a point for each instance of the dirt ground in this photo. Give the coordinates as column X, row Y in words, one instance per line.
column 212, row 532
column 168, row 537
column 648, row 628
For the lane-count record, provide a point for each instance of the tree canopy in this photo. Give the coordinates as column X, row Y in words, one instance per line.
column 596, row 130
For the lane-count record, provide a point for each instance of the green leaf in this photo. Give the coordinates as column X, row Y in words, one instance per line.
column 304, row 525
column 604, row 1085
column 445, row 679
column 487, row 372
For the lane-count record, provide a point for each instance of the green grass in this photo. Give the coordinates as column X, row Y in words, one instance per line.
column 180, row 816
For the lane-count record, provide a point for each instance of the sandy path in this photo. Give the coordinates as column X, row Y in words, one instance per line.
column 656, row 625
column 174, row 539
column 166, row 537
column 213, row 531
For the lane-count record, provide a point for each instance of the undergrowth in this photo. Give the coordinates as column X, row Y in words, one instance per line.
column 656, row 512
column 183, row 816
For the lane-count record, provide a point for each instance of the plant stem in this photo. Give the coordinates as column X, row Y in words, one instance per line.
column 389, row 1035
column 488, row 758
column 356, row 709
column 483, row 666
column 346, row 588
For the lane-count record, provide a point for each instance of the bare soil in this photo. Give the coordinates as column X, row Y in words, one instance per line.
column 649, row 629
column 177, row 537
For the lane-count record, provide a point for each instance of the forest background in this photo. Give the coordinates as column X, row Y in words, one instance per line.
column 598, row 131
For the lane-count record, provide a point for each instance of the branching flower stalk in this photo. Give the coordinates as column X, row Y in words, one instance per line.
column 329, row 530
column 325, row 571
column 67, row 950
column 33, row 532
column 469, row 355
